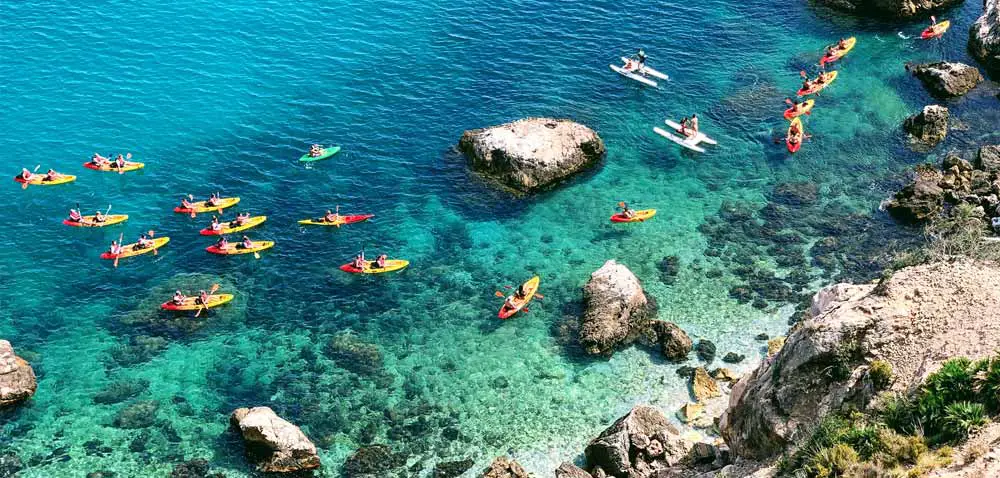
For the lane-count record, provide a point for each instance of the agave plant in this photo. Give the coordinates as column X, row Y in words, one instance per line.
column 961, row 419
column 987, row 384
column 953, row 382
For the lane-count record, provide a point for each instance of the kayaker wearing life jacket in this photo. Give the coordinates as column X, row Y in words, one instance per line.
column 119, row 162
column 330, row 216
column 315, row 151
column 75, row 215
column 241, row 219
column 51, row 175
column 359, row 261
column 223, row 244
column 115, row 248
column 99, row 216
column 626, row 212
column 245, row 244
column 202, row 298
column 213, row 200
column 216, row 225
column 179, row 298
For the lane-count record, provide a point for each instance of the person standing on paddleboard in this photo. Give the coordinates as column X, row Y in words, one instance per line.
column 641, row 56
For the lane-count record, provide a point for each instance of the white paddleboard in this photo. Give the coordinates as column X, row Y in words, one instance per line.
column 698, row 138
column 677, row 139
column 628, row 74
column 647, row 70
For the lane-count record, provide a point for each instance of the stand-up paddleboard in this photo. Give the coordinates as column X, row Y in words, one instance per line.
column 633, row 76
column 698, row 138
column 687, row 143
column 647, row 70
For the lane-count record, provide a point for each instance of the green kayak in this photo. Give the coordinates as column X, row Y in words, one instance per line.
column 332, row 150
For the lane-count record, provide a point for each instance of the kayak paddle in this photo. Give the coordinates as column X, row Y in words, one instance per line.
column 24, row 185
column 151, row 233
column 118, row 255
column 214, row 289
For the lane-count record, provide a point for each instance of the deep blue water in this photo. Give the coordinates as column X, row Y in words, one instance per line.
column 225, row 96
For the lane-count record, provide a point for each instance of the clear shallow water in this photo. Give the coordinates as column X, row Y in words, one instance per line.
column 224, row 96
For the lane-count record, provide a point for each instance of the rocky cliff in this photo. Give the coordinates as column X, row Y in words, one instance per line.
column 890, row 8
column 984, row 36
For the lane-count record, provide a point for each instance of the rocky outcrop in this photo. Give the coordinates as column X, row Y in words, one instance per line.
column 929, row 127
column 17, row 379
column 947, row 79
column 984, row 36
column 452, row 469
column 617, row 309
column 504, row 467
column 913, row 321
column 569, row 470
column 373, row 461
column 703, row 386
column 920, row 201
column 988, row 158
column 273, row 444
column 890, row 8
column 532, row 154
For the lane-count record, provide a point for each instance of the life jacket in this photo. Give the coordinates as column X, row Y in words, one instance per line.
column 75, row 215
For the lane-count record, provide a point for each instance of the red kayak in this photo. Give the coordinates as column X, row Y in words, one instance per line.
column 341, row 220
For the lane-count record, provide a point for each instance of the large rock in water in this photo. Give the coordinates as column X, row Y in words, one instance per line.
column 504, row 467
column 616, row 309
column 988, row 158
column 920, row 201
column 890, row 8
column 17, row 379
column 637, row 444
column 984, row 36
column 914, row 321
column 532, row 154
column 275, row 445
column 947, row 79
column 930, row 126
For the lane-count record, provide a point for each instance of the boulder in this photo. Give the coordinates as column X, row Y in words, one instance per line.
column 273, row 444
column 955, row 161
column 984, row 36
column 705, row 350
column 643, row 439
column 504, row 467
column 920, row 201
column 703, row 386
column 914, row 321
column 723, row 374
column 988, row 158
column 690, row 412
column 929, row 127
column 373, row 461
column 17, row 379
column 569, row 470
column 532, row 154
column 947, row 79
column 733, row 357
column 140, row 414
column 616, row 309
column 672, row 340
column 197, row 468
column 890, row 8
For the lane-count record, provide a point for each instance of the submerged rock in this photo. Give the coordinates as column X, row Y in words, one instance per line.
column 890, row 8
column 356, row 355
column 988, row 158
column 139, row 414
column 504, row 467
column 984, row 36
column 117, row 392
column 569, row 470
column 733, row 357
column 928, row 127
column 914, row 321
column 373, row 461
column 947, row 79
column 532, row 154
column 10, row 464
column 673, row 341
column 616, row 309
column 452, row 469
column 17, row 379
column 273, row 444
column 197, row 468
column 703, row 386
column 705, row 350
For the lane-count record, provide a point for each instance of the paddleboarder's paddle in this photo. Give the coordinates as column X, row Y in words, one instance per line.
column 119, row 254
column 214, row 289
column 151, row 234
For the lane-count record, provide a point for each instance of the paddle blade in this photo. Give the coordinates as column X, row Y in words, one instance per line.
column 128, row 155
column 24, row 185
column 256, row 255
column 498, row 294
column 539, row 296
column 118, row 256
column 193, row 214
column 214, row 289
column 196, row 314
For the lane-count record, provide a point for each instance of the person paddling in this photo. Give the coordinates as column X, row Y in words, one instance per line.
column 119, row 162
column 143, row 242
column 99, row 217
column 359, row 261
column 75, row 216
column 186, row 204
column 213, row 200
column 179, row 298
column 694, row 124
column 51, row 175
column 794, row 133
column 216, row 225
column 246, row 243
column 626, row 212
column 241, row 219
column 99, row 160
column 641, row 57
column 315, row 151
column 115, row 248
column 330, row 216
column 223, row 244
column 379, row 262
column 202, row 298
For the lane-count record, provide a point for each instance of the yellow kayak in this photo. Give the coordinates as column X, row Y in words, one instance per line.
column 88, row 221
column 391, row 265
column 202, row 206
column 838, row 53
column 190, row 304
column 530, row 288
column 638, row 217
column 39, row 180
column 129, row 250
column 129, row 166
column 232, row 248
column 226, row 229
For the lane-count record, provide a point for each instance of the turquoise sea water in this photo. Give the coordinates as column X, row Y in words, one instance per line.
column 217, row 95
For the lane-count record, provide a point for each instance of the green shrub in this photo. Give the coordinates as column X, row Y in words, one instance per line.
column 960, row 419
column 832, row 461
column 900, row 449
column 865, row 440
column 898, row 413
column 880, row 373
column 987, row 384
column 953, row 382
